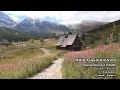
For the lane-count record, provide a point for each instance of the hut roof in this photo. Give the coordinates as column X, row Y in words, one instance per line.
column 60, row 41
column 69, row 40
column 66, row 40
column 4, row 41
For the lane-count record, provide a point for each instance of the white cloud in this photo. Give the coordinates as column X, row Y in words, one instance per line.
column 14, row 18
column 69, row 17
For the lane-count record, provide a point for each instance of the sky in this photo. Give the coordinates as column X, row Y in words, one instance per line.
column 66, row 17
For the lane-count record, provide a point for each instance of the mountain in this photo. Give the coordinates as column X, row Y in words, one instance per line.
column 32, row 25
column 10, row 34
column 6, row 21
column 28, row 28
column 41, row 26
column 15, row 35
column 104, row 34
column 86, row 25
column 26, row 25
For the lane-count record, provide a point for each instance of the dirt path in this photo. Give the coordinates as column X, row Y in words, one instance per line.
column 52, row 72
column 45, row 51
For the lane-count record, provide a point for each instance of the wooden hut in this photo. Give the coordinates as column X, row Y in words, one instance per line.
column 69, row 42
column 4, row 42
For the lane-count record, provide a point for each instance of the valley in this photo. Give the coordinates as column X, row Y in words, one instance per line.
column 41, row 49
column 20, row 62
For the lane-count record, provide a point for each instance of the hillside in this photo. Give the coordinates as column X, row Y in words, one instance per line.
column 105, row 34
column 86, row 26
column 6, row 21
column 15, row 35
column 31, row 26
column 40, row 26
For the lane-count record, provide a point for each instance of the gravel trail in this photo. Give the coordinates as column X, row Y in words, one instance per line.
column 52, row 72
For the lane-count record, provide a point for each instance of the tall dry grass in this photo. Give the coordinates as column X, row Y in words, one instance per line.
column 110, row 51
column 71, row 69
column 18, row 62
column 25, row 68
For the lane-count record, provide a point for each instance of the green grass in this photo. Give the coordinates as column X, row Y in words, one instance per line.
column 72, row 70
column 24, row 62
column 20, row 62
column 27, row 68
column 75, row 70
column 101, row 34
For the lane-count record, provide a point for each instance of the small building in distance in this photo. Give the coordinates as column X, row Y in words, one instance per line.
column 54, row 36
column 5, row 42
column 69, row 42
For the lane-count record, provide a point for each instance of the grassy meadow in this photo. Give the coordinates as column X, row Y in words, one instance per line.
column 25, row 59
column 75, row 70
column 103, row 42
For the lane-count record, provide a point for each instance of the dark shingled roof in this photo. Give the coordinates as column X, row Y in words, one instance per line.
column 4, row 42
column 64, row 41
column 60, row 41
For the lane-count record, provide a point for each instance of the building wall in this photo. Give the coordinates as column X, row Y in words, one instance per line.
column 77, row 45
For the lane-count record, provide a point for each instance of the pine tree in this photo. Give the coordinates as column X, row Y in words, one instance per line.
column 83, row 36
column 114, row 26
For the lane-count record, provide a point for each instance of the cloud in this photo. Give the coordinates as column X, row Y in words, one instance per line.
column 105, row 16
column 14, row 18
column 70, row 17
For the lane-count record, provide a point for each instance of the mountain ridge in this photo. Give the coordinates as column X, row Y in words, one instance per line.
column 107, row 33
column 39, row 25
column 86, row 25
column 31, row 24
column 6, row 21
